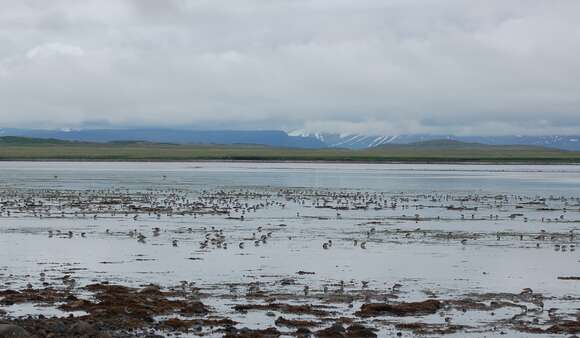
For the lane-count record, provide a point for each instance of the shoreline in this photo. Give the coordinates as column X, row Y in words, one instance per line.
column 322, row 161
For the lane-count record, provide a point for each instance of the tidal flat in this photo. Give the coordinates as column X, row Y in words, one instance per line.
column 225, row 249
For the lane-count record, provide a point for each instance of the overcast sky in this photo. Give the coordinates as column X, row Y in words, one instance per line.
column 389, row 67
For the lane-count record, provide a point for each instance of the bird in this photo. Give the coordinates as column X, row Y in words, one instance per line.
column 396, row 287
column 141, row 238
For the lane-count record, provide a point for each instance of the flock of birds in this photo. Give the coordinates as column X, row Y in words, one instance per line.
column 240, row 203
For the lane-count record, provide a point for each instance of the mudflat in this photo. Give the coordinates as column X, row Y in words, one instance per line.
column 288, row 249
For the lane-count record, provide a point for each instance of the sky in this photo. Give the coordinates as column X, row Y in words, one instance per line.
column 493, row 67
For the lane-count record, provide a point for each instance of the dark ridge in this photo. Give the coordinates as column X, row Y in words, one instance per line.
column 18, row 140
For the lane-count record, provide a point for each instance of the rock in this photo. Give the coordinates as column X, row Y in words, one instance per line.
column 12, row 331
column 353, row 331
column 281, row 321
column 403, row 309
column 303, row 331
column 151, row 289
column 82, row 329
column 194, row 308
column 58, row 327
column 334, row 331
column 104, row 335
column 570, row 327
column 359, row 331
column 248, row 333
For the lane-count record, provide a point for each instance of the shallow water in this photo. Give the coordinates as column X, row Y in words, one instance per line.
column 426, row 262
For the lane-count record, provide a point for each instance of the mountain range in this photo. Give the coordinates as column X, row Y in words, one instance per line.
column 277, row 138
column 359, row 141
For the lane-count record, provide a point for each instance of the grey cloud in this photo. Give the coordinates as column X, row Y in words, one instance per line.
column 366, row 66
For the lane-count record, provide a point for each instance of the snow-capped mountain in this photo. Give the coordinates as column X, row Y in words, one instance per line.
column 351, row 141
column 359, row 141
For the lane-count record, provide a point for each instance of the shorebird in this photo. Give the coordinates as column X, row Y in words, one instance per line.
column 526, row 291
column 141, row 238
column 396, row 287
column 341, row 288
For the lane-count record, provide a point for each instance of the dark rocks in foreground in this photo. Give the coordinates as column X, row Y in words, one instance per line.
column 403, row 309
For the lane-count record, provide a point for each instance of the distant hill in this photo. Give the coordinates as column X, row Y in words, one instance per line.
column 273, row 138
column 276, row 138
column 18, row 140
column 447, row 144
column 22, row 148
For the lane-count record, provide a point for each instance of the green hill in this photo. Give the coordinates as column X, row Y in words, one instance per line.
column 21, row 148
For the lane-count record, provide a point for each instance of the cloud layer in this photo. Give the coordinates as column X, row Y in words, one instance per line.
column 384, row 66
